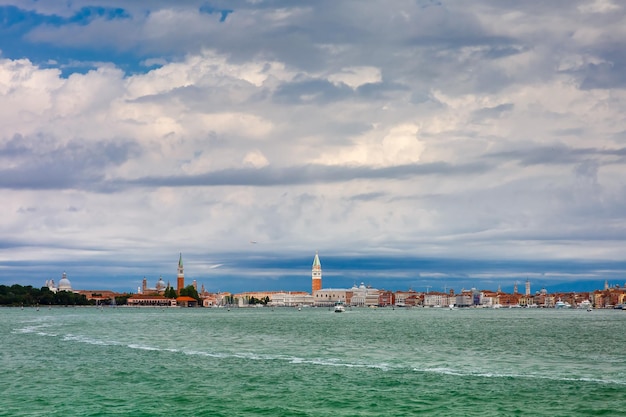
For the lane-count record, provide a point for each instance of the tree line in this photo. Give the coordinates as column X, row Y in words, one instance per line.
column 18, row 295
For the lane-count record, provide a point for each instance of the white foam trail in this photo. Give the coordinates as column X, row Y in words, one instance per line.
column 448, row 371
column 143, row 347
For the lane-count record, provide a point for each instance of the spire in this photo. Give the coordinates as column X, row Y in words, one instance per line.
column 180, row 260
column 316, row 261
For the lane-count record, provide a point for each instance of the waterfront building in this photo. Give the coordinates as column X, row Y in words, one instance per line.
column 464, row 299
column 363, row 296
column 509, row 300
column 489, row 298
column 527, row 288
column 142, row 300
column 209, row 300
column 243, row 298
column 386, row 298
column 291, row 299
column 549, row 301
column 100, row 296
column 476, row 297
column 526, row 301
column 316, row 274
column 180, row 278
column 329, row 296
column 186, row 301
column 402, row 296
column 437, row 299
column 414, row 300
column 540, row 299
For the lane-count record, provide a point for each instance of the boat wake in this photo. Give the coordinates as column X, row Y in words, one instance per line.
column 466, row 373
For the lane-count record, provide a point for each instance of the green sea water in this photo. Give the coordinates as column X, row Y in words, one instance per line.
column 283, row 362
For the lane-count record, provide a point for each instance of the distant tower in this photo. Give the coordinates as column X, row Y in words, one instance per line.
column 527, row 287
column 499, row 288
column 195, row 284
column 180, row 279
column 144, row 285
column 515, row 288
column 316, row 274
column 606, row 285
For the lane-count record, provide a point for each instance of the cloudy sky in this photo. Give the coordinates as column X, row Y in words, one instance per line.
column 414, row 144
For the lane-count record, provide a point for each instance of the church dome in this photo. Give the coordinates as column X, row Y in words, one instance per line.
column 65, row 284
column 160, row 284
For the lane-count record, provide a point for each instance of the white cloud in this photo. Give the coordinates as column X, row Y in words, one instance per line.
column 599, row 6
column 256, row 159
column 490, row 130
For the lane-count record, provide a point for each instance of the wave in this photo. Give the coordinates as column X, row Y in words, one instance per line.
column 39, row 329
column 36, row 329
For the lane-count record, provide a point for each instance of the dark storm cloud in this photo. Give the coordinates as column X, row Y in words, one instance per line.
column 609, row 74
column 307, row 174
column 368, row 196
column 491, row 112
column 311, row 91
column 380, row 90
column 253, row 29
column 398, row 273
column 41, row 163
column 557, row 154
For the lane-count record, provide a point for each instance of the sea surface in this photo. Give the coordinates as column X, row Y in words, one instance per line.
column 88, row 361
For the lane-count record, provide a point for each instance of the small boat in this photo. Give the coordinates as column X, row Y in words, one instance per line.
column 339, row 307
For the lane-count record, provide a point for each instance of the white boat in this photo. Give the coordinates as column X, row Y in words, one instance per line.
column 562, row 305
column 586, row 304
column 339, row 308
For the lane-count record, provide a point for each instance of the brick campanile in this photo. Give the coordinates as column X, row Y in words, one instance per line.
column 316, row 274
column 180, row 279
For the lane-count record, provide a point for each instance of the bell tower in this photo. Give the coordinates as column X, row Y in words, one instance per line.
column 316, row 274
column 180, row 279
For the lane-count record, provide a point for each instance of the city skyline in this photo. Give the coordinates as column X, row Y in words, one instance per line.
column 413, row 144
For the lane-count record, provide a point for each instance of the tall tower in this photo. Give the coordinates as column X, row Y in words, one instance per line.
column 180, row 279
column 527, row 287
column 316, row 274
column 515, row 288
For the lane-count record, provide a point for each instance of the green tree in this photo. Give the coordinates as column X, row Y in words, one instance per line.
column 17, row 295
column 190, row 291
column 122, row 299
column 169, row 292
